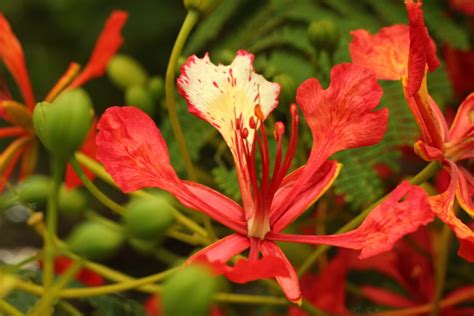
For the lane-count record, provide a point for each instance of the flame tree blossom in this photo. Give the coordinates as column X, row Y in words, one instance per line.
column 236, row 101
column 407, row 61
column 24, row 147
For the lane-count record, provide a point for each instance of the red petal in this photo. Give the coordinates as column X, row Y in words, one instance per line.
column 12, row 55
column 422, row 47
column 328, row 289
column 135, row 154
column 385, row 53
column 244, row 271
column 386, row 224
column 106, row 46
column 289, row 284
column 465, row 190
column 88, row 148
column 310, row 192
column 463, row 122
column 442, row 205
column 385, row 297
column 222, row 250
column 464, row 6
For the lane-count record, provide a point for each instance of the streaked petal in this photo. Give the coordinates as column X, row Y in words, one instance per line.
column 289, row 284
column 385, row 225
column 13, row 57
column 106, row 46
column 134, row 153
column 223, row 95
column 313, row 189
column 385, row 53
column 422, row 48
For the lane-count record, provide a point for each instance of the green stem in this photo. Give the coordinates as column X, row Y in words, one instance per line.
column 43, row 307
column 189, row 22
column 69, row 309
column 104, row 199
column 9, row 309
column 57, row 168
column 419, row 178
column 441, row 267
column 100, row 172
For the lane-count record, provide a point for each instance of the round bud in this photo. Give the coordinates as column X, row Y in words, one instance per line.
column 156, row 87
column 140, row 97
column 288, row 88
column 95, row 240
column 34, row 190
column 324, row 35
column 148, row 218
column 63, row 124
column 204, row 7
column 124, row 71
column 195, row 285
column 71, row 201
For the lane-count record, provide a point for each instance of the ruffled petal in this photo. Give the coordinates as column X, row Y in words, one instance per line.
column 226, row 96
column 463, row 123
column 12, row 55
column 289, row 284
column 341, row 116
column 134, row 153
column 422, row 48
column 314, row 188
column 88, row 148
column 385, row 53
column 465, row 191
column 106, row 46
column 385, row 225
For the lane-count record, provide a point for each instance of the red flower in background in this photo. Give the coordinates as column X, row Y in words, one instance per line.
column 85, row 276
column 20, row 116
column 460, row 67
column 451, row 147
column 464, row 6
column 236, row 101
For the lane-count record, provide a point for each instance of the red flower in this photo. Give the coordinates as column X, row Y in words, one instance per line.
column 85, row 276
column 410, row 264
column 465, row 6
column 20, row 116
column 451, row 147
column 236, row 101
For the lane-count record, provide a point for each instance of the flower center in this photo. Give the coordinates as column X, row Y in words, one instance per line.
column 264, row 189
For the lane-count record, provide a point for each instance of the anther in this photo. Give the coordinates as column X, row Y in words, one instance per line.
column 252, row 123
column 259, row 113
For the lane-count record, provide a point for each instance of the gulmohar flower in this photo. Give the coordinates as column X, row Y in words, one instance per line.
column 24, row 147
column 236, row 101
column 451, row 146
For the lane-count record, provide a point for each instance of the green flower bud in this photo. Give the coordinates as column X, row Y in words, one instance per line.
column 288, row 88
column 124, row 71
column 324, row 35
column 148, row 218
column 94, row 240
column 189, row 292
column 71, row 201
column 140, row 97
column 34, row 190
column 204, row 7
column 156, row 86
column 63, row 125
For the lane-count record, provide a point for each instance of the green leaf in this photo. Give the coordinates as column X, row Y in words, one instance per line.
column 226, row 180
column 109, row 305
